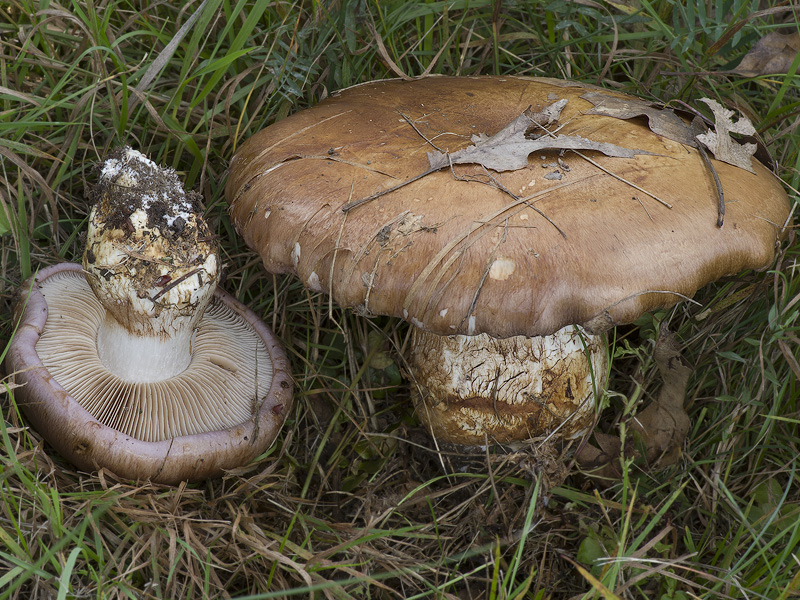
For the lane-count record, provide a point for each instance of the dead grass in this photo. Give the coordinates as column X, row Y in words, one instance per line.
column 353, row 501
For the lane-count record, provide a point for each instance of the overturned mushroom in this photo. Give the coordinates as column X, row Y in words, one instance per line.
column 135, row 362
column 499, row 269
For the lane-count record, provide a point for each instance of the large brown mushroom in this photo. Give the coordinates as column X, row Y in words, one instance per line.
column 500, row 268
column 135, row 362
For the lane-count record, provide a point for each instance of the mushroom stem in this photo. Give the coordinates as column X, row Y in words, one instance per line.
column 474, row 389
column 152, row 262
column 134, row 357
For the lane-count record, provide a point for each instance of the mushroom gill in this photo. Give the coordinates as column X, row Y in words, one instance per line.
column 229, row 371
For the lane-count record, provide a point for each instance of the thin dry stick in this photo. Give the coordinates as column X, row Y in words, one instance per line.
column 384, row 54
column 642, row 293
column 343, row 161
column 297, row 133
column 256, row 405
column 176, row 282
column 622, row 179
column 408, row 120
column 348, row 206
column 614, row 175
column 649, row 216
column 486, row 445
column 164, row 56
column 335, row 254
column 720, row 194
column 487, row 268
column 503, row 188
column 438, row 55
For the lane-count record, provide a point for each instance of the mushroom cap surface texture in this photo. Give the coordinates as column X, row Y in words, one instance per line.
column 146, row 431
column 452, row 252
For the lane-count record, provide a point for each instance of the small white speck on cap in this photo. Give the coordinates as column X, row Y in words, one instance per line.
column 443, row 312
column 296, row 254
column 502, row 268
column 313, row 282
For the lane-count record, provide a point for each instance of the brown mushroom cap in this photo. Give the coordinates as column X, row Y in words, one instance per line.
column 455, row 256
column 189, row 428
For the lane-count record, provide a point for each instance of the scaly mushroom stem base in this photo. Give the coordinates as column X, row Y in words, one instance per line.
column 477, row 389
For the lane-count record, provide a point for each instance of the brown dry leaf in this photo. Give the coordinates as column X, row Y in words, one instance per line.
column 774, row 53
column 719, row 141
column 662, row 121
column 663, row 425
column 659, row 430
column 508, row 149
column 601, row 462
column 665, row 122
column 549, row 114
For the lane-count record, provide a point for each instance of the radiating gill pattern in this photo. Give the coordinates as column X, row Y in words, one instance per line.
column 221, row 387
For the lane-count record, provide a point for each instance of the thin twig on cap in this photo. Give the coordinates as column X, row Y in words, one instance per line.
column 718, row 183
column 408, row 120
column 495, row 183
column 622, row 179
column 348, row 206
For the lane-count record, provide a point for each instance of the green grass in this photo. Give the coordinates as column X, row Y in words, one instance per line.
column 352, row 502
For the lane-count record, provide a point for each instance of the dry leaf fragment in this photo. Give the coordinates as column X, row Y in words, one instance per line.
column 509, row 148
column 663, row 425
column 662, row 121
column 719, row 141
column 660, row 429
column 550, row 113
column 774, row 53
column 665, row 122
column 601, row 461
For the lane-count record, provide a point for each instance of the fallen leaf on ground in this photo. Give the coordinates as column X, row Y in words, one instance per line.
column 508, row 149
column 772, row 54
column 720, row 142
column 658, row 431
column 663, row 425
column 601, row 460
